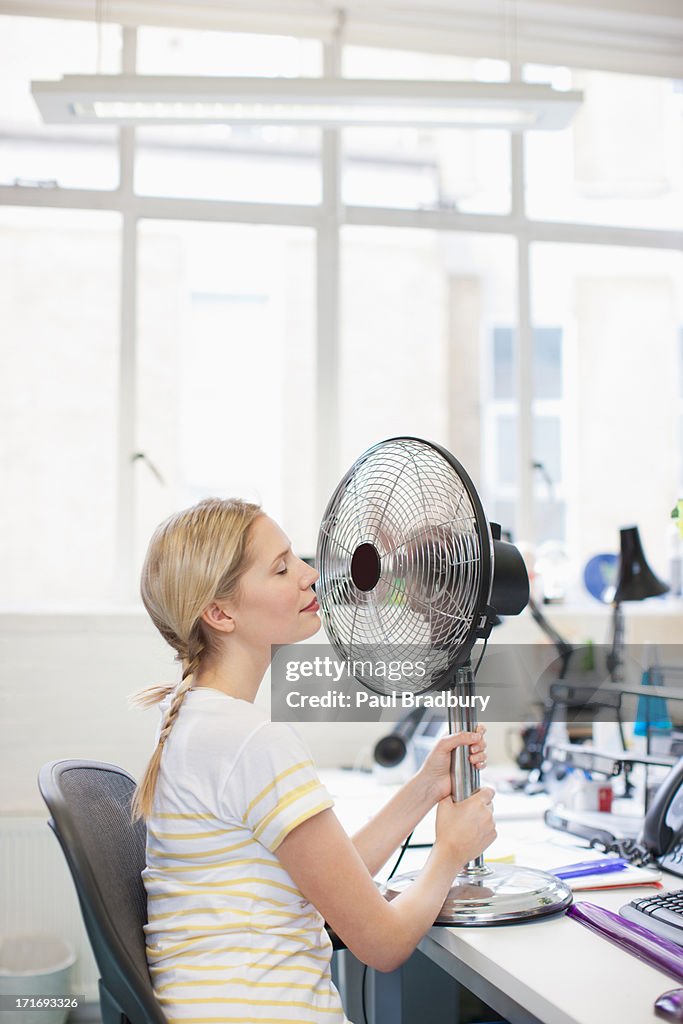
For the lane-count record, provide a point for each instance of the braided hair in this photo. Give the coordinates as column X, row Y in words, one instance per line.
column 195, row 557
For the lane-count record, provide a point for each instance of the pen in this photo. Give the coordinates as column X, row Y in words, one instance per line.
column 591, row 867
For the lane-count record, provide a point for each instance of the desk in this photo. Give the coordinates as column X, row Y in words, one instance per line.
column 551, row 970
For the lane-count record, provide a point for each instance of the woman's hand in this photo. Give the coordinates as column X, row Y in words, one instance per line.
column 435, row 773
column 467, row 828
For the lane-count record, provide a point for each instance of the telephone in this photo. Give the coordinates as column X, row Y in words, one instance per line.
column 662, row 831
column 659, row 840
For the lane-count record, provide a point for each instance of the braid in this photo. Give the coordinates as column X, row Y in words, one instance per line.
column 192, row 656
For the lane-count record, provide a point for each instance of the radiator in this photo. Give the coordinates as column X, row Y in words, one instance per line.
column 37, row 894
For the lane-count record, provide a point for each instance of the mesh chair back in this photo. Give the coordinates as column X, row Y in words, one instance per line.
column 90, row 806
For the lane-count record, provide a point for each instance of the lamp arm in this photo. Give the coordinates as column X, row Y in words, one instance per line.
column 614, row 656
column 564, row 648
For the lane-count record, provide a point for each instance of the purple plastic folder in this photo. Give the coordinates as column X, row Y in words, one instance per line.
column 661, row 953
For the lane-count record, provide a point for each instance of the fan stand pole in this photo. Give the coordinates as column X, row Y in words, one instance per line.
column 464, row 776
column 482, row 894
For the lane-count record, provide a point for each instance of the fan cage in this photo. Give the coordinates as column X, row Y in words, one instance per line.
column 405, row 556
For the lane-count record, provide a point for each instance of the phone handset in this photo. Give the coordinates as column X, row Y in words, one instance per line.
column 663, row 825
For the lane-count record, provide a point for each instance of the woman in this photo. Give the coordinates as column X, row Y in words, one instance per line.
column 245, row 857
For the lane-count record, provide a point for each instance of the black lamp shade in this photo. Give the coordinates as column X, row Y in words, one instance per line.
column 636, row 580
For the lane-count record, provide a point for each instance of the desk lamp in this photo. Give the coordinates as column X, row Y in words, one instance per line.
column 412, row 571
column 635, row 582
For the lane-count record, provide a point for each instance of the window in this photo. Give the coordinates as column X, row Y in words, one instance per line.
column 549, row 428
column 59, row 305
column 53, row 156
column 621, row 160
column 410, row 168
column 213, row 162
column 242, row 163
column 394, row 338
column 219, row 301
column 619, row 311
column 413, row 307
column 226, row 364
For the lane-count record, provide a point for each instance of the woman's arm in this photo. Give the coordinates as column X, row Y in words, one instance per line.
column 377, row 840
column 327, row 868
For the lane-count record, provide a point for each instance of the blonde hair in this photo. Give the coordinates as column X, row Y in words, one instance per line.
column 194, row 557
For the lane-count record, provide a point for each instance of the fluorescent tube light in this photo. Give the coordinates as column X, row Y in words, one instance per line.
column 321, row 102
column 138, row 112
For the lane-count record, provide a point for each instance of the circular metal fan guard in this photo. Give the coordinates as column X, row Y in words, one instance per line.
column 405, row 561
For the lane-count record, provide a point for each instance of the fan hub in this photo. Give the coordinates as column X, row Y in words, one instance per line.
column 366, row 567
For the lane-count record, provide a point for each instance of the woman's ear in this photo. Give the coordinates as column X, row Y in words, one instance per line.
column 218, row 618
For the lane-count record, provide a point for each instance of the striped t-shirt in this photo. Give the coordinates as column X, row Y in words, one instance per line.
column 229, row 936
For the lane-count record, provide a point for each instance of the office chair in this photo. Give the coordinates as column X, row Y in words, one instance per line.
column 90, row 806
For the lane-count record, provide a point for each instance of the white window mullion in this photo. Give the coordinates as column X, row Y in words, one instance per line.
column 525, row 353
column 126, row 437
column 328, row 303
column 525, row 340
column 164, row 208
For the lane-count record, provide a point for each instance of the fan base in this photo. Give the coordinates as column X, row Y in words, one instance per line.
column 495, row 895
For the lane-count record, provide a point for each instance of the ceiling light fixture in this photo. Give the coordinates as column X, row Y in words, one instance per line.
column 310, row 102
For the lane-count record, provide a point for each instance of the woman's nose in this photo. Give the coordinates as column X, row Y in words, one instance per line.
column 312, row 577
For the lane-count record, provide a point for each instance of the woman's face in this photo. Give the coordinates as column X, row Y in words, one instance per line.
column 276, row 604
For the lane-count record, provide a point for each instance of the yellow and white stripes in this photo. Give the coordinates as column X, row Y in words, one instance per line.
column 229, row 936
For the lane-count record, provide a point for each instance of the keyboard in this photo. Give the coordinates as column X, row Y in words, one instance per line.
column 662, row 914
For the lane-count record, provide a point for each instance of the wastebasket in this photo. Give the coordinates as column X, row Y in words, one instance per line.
column 35, row 966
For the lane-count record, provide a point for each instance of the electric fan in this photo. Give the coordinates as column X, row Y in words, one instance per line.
column 409, row 565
